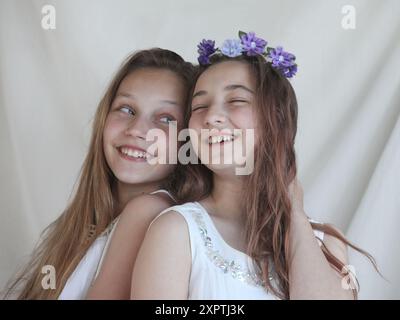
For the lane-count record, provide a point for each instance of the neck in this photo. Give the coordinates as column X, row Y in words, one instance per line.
column 225, row 199
column 127, row 192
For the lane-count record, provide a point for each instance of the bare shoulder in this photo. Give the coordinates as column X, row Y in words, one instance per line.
column 168, row 235
column 335, row 245
column 114, row 279
column 146, row 206
column 157, row 275
column 144, row 200
column 170, row 224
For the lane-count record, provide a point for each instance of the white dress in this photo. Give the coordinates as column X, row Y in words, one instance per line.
column 88, row 268
column 218, row 271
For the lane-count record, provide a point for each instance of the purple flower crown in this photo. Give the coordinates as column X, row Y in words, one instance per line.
column 250, row 45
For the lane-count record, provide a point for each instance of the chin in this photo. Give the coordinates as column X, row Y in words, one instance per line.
column 225, row 169
column 133, row 179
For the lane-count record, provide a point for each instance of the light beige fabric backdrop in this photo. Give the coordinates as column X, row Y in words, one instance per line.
column 348, row 142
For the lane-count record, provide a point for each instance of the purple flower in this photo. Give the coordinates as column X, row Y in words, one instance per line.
column 232, row 48
column 203, row 60
column 281, row 58
column 252, row 45
column 283, row 61
column 289, row 71
column 205, row 49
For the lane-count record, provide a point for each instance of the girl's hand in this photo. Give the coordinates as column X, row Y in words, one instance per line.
column 296, row 196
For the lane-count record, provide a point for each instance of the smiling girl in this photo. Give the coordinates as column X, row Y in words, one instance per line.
column 242, row 236
column 117, row 186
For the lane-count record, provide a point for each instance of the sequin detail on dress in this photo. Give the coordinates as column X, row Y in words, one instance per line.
column 227, row 266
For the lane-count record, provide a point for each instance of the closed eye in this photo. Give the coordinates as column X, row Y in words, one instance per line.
column 238, row 101
column 199, row 107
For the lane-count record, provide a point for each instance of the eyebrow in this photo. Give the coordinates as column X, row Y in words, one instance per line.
column 227, row 88
column 199, row 93
column 238, row 86
column 127, row 95
column 131, row 96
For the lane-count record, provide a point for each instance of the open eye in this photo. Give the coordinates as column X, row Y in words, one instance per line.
column 127, row 109
column 166, row 119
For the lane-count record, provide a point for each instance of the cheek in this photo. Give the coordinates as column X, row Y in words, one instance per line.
column 244, row 118
column 164, row 143
column 108, row 130
column 112, row 128
column 195, row 122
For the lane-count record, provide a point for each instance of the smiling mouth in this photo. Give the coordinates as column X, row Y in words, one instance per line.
column 134, row 153
column 221, row 138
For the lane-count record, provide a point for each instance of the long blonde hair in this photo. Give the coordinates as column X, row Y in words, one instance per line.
column 265, row 196
column 94, row 204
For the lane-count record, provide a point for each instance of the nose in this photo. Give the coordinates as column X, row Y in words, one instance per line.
column 215, row 116
column 138, row 128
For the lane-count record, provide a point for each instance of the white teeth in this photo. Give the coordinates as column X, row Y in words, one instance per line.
column 218, row 139
column 134, row 153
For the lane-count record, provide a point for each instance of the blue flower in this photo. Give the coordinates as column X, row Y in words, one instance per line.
column 252, row 45
column 205, row 49
column 232, row 48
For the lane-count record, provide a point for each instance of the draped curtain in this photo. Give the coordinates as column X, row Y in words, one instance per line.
column 348, row 142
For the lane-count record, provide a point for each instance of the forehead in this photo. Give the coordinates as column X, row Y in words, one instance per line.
column 225, row 73
column 156, row 81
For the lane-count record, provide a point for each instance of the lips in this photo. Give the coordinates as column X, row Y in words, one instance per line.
column 134, row 152
column 220, row 136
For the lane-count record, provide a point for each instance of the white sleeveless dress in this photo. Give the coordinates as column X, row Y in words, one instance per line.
column 86, row 271
column 218, row 271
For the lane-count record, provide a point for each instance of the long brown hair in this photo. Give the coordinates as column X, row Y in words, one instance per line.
column 266, row 200
column 94, row 204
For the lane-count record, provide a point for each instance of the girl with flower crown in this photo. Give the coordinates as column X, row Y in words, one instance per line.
column 242, row 236
column 119, row 192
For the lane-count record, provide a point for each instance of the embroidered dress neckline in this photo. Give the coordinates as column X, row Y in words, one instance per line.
column 218, row 234
column 233, row 264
